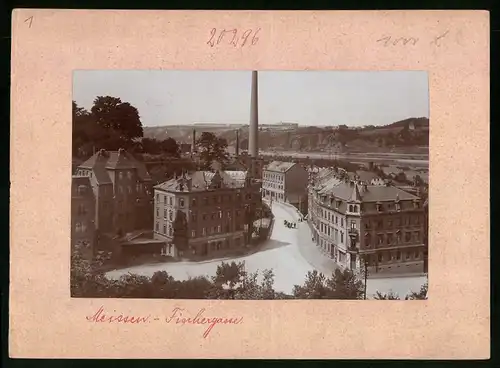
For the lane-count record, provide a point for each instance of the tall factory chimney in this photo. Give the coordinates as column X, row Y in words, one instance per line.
column 237, row 143
column 193, row 143
column 253, row 143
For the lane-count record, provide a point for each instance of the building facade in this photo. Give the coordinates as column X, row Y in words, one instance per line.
column 380, row 227
column 285, row 182
column 205, row 213
column 122, row 191
column 82, row 215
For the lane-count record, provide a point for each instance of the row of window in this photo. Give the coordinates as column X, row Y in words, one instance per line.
column 272, row 176
column 206, row 200
column 331, row 217
column 395, row 256
column 390, row 239
column 327, row 230
column 272, row 185
column 168, row 230
column 392, row 222
column 194, row 217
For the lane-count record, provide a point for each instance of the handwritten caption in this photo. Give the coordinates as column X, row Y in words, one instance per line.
column 234, row 37
column 178, row 316
column 395, row 41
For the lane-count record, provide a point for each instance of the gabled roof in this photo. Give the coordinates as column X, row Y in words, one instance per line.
column 102, row 161
column 280, row 166
column 199, row 181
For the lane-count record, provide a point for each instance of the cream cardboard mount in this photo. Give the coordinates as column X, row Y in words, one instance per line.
column 48, row 45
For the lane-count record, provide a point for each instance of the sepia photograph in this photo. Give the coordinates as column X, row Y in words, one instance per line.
column 250, row 185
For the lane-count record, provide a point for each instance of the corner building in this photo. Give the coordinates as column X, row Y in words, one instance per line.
column 382, row 227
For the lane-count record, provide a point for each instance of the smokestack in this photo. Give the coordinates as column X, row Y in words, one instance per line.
column 193, row 144
column 253, row 145
column 237, row 143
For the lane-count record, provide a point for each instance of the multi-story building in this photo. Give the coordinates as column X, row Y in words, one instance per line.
column 383, row 226
column 82, row 215
column 285, row 182
column 122, row 190
column 204, row 213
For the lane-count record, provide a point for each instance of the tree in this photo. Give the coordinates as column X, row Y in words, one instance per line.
column 112, row 114
column 211, row 148
column 388, row 296
column 421, row 295
column 170, row 147
column 345, row 285
column 314, row 287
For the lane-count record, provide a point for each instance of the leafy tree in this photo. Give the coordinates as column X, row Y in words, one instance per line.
column 211, row 148
column 388, row 296
column 113, row 114
column 345, row 285
column 170, row 147
column 314, row 287
column 421, row 295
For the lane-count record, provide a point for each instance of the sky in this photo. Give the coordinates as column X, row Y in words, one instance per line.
column 305, row 97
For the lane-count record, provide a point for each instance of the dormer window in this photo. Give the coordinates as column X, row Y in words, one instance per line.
column 379, row 207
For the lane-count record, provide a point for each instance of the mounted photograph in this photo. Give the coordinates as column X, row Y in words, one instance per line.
column 250, row 185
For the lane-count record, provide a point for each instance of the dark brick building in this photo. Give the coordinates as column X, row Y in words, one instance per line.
column 204, row 213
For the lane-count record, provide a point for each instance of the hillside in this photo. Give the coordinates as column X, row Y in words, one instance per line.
column 409, row 135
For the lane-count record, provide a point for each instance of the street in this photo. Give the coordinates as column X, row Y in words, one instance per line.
column 290, row 253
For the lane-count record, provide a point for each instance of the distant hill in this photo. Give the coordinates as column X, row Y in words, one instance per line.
column 408, row 134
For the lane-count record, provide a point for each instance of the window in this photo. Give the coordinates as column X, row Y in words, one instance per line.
column 367, row 225
column 237, row 213
column 380, row 224
column 157, row 196
column 351, row 208
column 204, row 216
column 389, row 239
column 228, row 214
column 129, row 174
column 398, row 206
column 353, row 224
column 164, row 199
column 341, row 236
column 81, row 209
column 380, row 239
column 379, row 207
column 193, row 233
column 193, row 202
column 170, row 201
column 157, row 227
column 170, row 215
column 336, row 220
column 181, row 202
column 380, row 257
column 219, row 229
column 205, row 201
column 416, row 236
column 407, row 255
column 165, row 229
column 398, row 256
column 417, row 254
column 407, row 236
column 193, row 217
column 78, row 227
column 389, row 224
column 220, row 214
column 204, row 231
column 367, row 240
column 398, row 237
column 342, row 222
column 164, row 213
column 213, row 216
column 120, row 189
column 157, row 212
column 120, row 174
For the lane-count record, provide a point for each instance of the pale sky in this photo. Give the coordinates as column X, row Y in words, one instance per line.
column 304, row 97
